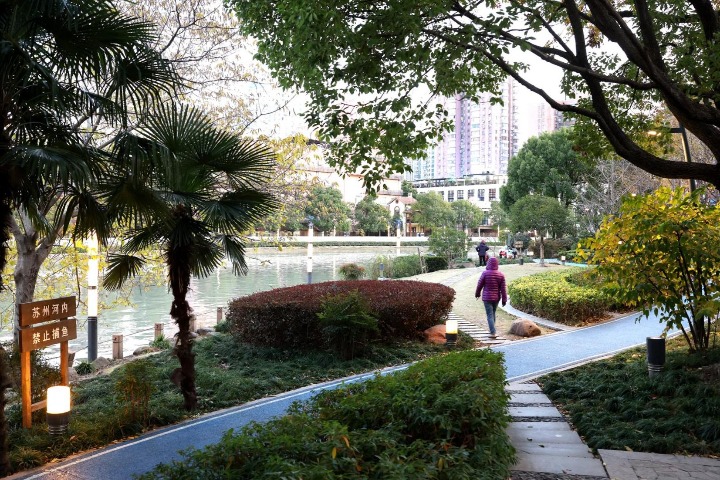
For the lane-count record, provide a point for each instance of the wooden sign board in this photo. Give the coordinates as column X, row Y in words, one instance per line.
column 46, row 310
column 518, row 244
column 55, row 328
column 45, row 335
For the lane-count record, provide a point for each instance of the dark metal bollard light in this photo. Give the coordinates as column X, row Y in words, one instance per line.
column 655, row 355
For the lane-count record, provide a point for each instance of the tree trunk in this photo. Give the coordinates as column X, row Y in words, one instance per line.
column 30, row 256
column 179, row 276
column 542, row 251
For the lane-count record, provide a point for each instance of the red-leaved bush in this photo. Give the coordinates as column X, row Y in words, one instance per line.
column 287, row 317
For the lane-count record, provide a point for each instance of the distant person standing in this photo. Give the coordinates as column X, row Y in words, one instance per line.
column 482, row 250
column 492, row 286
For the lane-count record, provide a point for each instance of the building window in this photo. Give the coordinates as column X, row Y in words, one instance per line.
column 481, row 194
column 491, row 194
column 471, row 193
column 460, row 194
column 451, row 196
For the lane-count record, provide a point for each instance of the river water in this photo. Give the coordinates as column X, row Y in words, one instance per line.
column 267, row 269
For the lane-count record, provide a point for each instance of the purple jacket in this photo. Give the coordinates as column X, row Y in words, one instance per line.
column 492, row 283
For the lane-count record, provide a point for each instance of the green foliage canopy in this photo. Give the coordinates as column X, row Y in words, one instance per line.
column 431, row 211
column 467, row 214
column 449, row 243
column 546, row 165
column 326, row 207
column 660, row 253
column 371, row 216
column 369, row 68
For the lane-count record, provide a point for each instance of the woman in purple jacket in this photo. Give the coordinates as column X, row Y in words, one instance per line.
column 492, row 286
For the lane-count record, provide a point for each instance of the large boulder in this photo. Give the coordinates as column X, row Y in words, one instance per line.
column 525, row 328
column 435, row 334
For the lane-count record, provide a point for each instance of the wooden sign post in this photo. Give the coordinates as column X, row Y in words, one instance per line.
column 42, row 324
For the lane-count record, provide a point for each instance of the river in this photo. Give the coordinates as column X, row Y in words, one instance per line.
column 267, row 269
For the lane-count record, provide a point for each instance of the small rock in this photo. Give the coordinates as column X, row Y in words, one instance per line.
column 100, row 363
column 143, row 350
column 525, row 328
column 204, row 331
column 435, row 334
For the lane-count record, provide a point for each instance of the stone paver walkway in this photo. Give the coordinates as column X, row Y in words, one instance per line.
column 651, row 466
column 543, row 439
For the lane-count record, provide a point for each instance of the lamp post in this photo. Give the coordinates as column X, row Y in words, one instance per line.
column 686, row 147
column 311, row 228
column 92, row 295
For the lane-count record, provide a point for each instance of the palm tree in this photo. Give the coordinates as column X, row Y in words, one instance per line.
column 189, row 190
column 68, row 70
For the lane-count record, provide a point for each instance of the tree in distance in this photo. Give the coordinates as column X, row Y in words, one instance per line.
column 326, row 208
column 432, row 211
column 372, row 68
column 541, row 214
column 546, row 165
column 370, row 216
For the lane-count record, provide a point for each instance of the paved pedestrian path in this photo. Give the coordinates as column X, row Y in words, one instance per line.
column 548, row 448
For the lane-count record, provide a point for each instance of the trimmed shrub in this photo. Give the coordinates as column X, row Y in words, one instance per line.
column 436, row 263
column 406, row 266
column 346, row 323
column 554, row 296
column 439, row 419
column 287, row 317
column 352, row 271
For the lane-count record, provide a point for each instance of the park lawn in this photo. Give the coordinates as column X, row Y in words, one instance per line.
column 138, row 396
column 614, row 404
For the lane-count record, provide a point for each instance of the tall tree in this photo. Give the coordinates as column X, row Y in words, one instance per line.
column 60, row 63
column 431, row 211
column 326, row 207
column 546, row 165
column 169, row 193
column 544, row 215
column 371, row 216
column 467, row 215
column 362, row 63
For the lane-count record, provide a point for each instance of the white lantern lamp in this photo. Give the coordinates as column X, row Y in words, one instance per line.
column 451, row 332
column 58, row 409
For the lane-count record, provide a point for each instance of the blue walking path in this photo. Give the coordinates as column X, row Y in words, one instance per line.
column 524, row 360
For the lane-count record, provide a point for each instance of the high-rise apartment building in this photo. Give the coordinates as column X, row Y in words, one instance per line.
column 484, row 139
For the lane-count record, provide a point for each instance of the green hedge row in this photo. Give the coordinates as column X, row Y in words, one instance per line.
column 559, row 296
column 287, row 317
column 442, row 418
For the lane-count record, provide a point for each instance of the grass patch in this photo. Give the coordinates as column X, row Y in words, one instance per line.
column 228, row 374
column 614, row 404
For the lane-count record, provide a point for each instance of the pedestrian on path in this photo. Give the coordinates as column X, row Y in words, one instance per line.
column 492, row 286
column 482, row 250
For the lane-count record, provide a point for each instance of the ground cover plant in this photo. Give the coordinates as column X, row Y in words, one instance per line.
column 614, row 404
column 443, row 418
column 127, row 402
column 287, row 317
column 567, row 297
